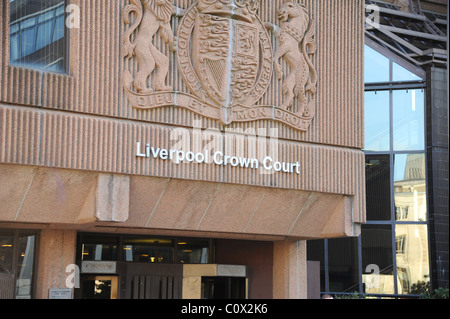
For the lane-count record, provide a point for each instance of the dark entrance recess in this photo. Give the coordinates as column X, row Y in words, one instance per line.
column 99, row 287
column 151, row 281
column 134, row 281
column 223, row 288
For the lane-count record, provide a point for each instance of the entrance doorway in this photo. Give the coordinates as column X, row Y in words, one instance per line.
column 151, row 281
column 223, row 288
column 99, row 287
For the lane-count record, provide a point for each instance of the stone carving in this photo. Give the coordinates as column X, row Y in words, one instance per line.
column 152, row 16
column 226, row 53
column 225, row 57
column 296, row 46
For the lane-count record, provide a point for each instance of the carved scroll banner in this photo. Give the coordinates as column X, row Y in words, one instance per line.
column 225, row 56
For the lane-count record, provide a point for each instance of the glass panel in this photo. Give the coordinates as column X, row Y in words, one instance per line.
column 28, row 41
column 14, row 28
column 28, row 23
column 413, row 271
column 24, row 276
column 378, row 194
column 408, row 121
column 15, row 47
column 410, row 187
column 376, row 249
column 343, row 265
column 316, row 252
column 6, row 253
column 401, row 74
column 377, row 133
column 99, row 247
column 99, row 287
column 192, row 251
column 42, row 36
column 376, row 67
column 153, row 250
column 46, row 16
column 59, row 29
column 39, row 46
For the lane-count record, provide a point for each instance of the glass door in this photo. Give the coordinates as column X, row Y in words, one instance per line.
column 17, row 258
column 99, row 287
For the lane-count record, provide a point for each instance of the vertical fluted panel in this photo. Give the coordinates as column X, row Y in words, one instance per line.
column 99, row 62
column 93, row 84
column 101, row 130
column 19, row 143
column 60, row 139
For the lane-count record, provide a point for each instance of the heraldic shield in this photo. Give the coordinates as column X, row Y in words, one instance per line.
column 222, row 51
column 229, row 45
column 227, row 66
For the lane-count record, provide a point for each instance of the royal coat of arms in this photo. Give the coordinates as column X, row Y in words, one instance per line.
column 224, row 54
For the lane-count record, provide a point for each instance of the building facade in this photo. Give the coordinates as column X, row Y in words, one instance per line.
column 403, row 247
column 177, row 149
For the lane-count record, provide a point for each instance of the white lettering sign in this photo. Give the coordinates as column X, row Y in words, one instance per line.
column 218, row 158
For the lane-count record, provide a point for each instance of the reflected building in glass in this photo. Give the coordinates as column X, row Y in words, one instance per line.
column 399, row 252
column 37, row 34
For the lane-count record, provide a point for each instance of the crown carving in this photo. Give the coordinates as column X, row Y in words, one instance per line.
column 244, row 10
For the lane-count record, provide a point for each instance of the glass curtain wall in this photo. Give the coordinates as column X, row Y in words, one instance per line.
column 390, row 258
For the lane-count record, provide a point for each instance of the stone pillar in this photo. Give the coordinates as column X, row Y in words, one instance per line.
column 57, row 249
column 290, row 270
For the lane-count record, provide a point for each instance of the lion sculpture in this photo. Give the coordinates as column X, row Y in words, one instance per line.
column 296, row 46
column 151, row 16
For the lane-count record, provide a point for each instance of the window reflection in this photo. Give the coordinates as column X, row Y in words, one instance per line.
column 37, row 34
column 376, row 66
column 153, row 250
column 410, row 187
column 99, row 287
column 6, row 266
column 408, row 120
column 377, row 133
column 99, row 247
column 25, row 267
column 137, row 248
column 399, row 73
column 6, row 253
column 192, row 251
column 378, row 194
column 343, row 264
column 412, row 258
column 376, row 250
